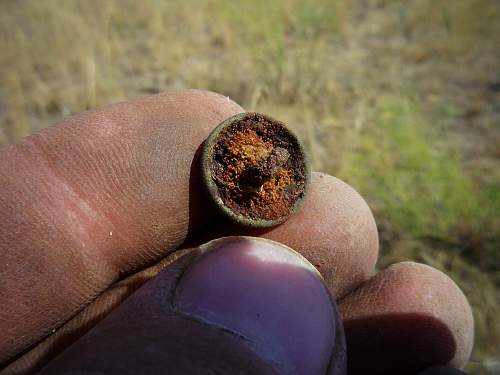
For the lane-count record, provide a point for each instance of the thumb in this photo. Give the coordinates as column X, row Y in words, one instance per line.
column 237, row 305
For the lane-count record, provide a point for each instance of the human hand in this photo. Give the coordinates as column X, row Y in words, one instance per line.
column 90, row 205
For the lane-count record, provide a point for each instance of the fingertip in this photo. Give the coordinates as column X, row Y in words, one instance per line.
column 335, row 231
column 203, row 108
column 270, row 295
column 427, row 289
column 408, row 315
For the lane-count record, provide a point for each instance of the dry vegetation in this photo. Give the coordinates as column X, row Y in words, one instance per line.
column 399, row 98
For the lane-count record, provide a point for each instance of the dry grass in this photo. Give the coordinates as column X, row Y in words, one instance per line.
column 399, row 98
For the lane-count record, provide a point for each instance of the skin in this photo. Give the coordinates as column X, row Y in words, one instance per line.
column 96, row 206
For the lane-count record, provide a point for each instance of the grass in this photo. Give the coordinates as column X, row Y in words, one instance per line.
column 415, row 185
column 399, row 98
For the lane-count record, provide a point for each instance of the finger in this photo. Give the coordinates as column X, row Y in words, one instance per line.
column 229, row 309
column 407, row 318
column 102, row 194
column 335, row 231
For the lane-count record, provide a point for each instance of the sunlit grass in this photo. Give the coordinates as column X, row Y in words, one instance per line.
column 421, row 188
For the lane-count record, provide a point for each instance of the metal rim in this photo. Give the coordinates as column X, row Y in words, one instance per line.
column 213, row 190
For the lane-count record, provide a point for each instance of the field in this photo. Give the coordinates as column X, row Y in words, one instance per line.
column 399, row 98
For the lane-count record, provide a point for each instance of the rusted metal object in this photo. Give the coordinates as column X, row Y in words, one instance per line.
column 255, row 170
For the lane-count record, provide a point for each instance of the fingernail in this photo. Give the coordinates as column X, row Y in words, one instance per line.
column 269, row 295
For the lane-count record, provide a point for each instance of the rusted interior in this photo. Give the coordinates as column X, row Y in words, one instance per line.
column 258, row 168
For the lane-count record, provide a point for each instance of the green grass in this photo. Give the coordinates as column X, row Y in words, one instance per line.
column 417, row 186
column 393, row 96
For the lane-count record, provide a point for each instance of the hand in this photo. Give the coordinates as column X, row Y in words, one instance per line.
column 91, row 208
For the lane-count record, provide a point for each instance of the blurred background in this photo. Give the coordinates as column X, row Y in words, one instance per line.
column 401, row 99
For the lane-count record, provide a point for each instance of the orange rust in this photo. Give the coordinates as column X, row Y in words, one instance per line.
column 245, row 148
column 272, row 190
column 258, row 169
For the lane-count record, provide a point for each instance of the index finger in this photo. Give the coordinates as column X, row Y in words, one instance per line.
column 101, row 194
